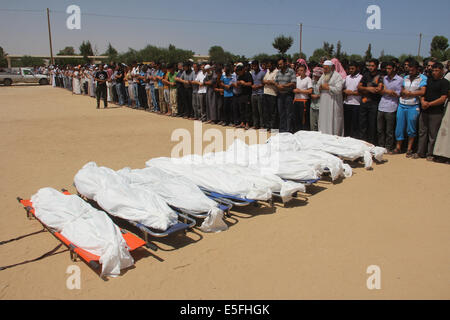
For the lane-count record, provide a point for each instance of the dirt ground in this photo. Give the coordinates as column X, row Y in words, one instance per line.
column 395, row 216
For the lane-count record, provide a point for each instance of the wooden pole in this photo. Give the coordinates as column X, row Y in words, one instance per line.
column 50, row 37
column 420, row 43
column 301, row 31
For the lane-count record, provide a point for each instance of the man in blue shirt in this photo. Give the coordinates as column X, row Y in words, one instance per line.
column 227, row 80
column 414, row 86
column 257, row 94
column 387, row 108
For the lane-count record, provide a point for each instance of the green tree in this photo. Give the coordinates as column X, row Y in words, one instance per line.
column 217, row 54
column 439, row 45
column 297, row 56
column 282, row 44
column 3, row 61
column 111, row 53
column 153, row 53
column 404, row 56
column 28, row 61
column 86, row 50
column 328, row 48
column 368, row 54
column 356, row 57
column 386, row 58
column 318, row 54
column 67, row 51
column 128, row 56
column 339, row 54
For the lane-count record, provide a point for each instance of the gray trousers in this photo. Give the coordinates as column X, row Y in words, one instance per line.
column 386, row 129
column 257, row 110
column 314, row 119
column 195, row 105
column 201, row 98
column 429, row 125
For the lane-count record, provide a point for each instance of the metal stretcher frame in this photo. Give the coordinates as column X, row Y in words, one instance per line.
column 306, row 182
column 228, row 199
column 181, row 226
column 203, row 215
column 90, row 259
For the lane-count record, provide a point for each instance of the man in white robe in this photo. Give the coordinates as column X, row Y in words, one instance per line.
column 331, row 116
column 442, row 146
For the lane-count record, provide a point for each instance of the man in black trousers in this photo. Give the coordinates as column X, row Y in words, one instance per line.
column 101, row 77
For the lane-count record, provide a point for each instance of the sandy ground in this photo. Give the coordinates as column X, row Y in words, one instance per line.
column 395, row 216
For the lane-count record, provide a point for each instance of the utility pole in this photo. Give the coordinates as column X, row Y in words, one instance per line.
column 52, row 61
column 420, row 43
column 301, row 31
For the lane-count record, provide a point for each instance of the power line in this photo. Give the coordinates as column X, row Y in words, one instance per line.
column 374, row 32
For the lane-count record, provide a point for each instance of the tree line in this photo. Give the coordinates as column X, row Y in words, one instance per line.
column 439, row 49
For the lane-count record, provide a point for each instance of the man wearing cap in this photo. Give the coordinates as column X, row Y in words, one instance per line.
column 315, row 99
column 331, row 115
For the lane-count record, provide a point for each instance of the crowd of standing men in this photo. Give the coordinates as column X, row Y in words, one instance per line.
column 383, row 104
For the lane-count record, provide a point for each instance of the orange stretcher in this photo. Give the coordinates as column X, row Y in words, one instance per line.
column 92, row 260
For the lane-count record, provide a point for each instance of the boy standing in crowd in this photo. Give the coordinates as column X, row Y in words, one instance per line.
column 414, row 86
column 387, row 109
column 369, row 87
column 301, row 100
column 352, row 101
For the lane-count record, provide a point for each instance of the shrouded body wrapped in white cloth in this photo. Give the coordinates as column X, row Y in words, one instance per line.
column 118, row 197
column 178, row 192
column 88, row 228
column 346, row 147
column 227, row 178
column 283, row 158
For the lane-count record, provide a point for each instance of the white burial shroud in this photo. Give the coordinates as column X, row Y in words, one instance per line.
column 345, row 147
column 118, row 197
column 285, row 160
column 88, row 228
column 227, row 178
column 178, row 192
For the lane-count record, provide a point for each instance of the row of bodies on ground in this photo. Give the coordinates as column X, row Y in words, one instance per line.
column 171, row 195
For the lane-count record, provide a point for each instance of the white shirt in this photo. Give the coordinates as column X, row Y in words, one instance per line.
column 268, row 88
column 418, row 82
column 351, row 83
column 303, row 84
column 200, row 78
column 134, row 72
